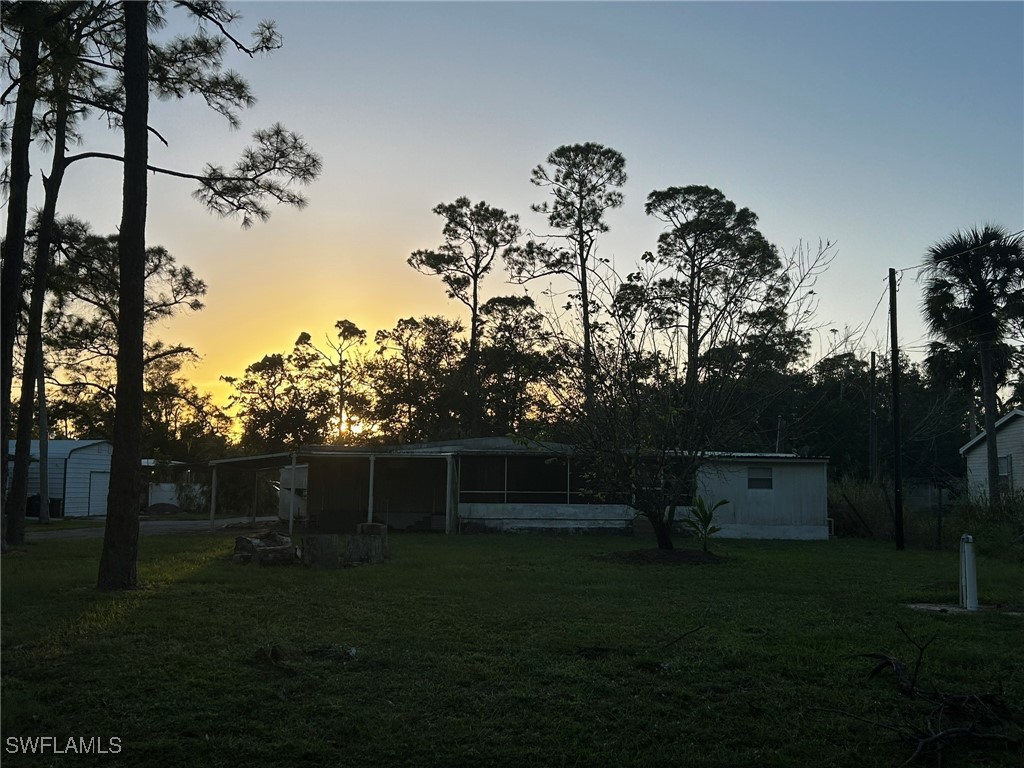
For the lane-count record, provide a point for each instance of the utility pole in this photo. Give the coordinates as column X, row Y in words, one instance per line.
column 872, row 426
column 897, row 469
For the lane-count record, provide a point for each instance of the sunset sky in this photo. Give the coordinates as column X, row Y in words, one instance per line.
column 881, row 126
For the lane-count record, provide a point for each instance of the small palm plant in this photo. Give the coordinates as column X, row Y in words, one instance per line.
column 701, row 519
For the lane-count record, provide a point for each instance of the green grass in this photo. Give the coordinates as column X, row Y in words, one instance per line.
column 32, row 525
column 492, row 651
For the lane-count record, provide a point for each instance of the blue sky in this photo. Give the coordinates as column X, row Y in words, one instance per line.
column 881, row 126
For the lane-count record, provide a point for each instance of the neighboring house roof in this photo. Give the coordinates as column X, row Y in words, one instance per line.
column 58, row 449
column 979, row 439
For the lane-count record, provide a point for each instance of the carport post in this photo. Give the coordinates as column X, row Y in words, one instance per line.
column 213, row 498
column 448, row 505
column 255, row 492
column 568, row 480
column 369, row 502
column 291, row 501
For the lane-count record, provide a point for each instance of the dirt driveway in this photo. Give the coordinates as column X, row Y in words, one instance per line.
column 156, row 528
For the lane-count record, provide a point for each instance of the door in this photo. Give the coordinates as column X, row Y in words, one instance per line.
column 99, row 482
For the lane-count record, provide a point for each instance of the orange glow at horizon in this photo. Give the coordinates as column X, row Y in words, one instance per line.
column 254, row 314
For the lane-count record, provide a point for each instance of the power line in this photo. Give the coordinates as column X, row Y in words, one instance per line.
column 915, row 345
column 968, row 337
column 870, row 319
column 962, row 253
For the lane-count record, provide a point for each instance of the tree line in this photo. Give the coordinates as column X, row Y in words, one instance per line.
column 701, row 344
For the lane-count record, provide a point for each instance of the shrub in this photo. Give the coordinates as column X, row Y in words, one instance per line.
column 701, row 520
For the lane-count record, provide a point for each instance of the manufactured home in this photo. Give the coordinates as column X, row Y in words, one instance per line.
column 503, row 484
column 78, row 475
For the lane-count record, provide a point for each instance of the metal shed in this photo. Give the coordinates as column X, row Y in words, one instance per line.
column 771, row 495
column 79, row 474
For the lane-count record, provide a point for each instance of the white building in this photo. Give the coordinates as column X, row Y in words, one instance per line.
column 770, row 495
column 1010, row 447
column 79, row 474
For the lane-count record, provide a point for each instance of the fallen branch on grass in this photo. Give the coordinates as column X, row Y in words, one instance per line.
column 952, row 718
column 685, row 634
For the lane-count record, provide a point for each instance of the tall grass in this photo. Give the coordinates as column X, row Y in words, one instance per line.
column 862, row 509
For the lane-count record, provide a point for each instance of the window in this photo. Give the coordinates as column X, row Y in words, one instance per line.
column 759, row 478
column 1005, row 473
column 537, row 480
column 482, row 473
column 482, row 479
column 513, row 479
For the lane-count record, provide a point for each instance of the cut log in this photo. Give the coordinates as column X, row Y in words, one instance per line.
column 270, row 548
column 321, row 551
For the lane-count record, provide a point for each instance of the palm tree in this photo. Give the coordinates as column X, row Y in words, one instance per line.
column 973, row 292
column 958, row 367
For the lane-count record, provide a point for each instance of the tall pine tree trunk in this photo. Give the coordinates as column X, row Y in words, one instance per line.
column 34, row 336
column 121, row 534
column 588, row 341
column 14, row 238
column 474, row 400
column 44, row 440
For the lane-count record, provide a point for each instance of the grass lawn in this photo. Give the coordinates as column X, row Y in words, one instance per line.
column 32, row 525
column 494, row 651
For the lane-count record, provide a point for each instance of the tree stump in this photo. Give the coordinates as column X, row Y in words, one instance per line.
column 368, row 545
column 372, row 529
column 321, row 551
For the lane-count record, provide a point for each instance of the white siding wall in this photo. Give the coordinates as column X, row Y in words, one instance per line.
column 796, row 507
column 533, row 517
column 88, row 468
column 1009, row 442
column 977, row 471
column 55, row 480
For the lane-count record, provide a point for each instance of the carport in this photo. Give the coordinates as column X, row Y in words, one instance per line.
column 402, row 488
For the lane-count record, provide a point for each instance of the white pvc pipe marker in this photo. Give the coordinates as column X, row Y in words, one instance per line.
column 968, row 574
